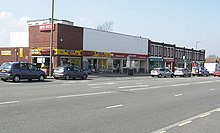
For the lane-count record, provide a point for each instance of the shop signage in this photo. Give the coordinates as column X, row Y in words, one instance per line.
column 8, row 52
column 46, row 52
column 46, row 27
column 169, row 60
column 137, row 56
column 87, row 53
column 35, row 51
column 155, row 59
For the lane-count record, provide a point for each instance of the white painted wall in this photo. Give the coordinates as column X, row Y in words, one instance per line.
column 19, row 39
column 113, row 42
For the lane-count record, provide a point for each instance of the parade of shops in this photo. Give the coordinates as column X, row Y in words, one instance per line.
column 97, row 51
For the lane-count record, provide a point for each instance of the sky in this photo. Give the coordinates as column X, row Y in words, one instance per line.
column 180, row 22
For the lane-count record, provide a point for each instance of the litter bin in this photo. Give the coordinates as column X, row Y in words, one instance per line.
column 130, row 71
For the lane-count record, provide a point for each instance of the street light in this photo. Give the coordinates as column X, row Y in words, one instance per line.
column 197, row 43
column 51, row 39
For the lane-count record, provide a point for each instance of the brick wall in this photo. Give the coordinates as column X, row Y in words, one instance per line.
column 39, row 38
column 64, row 37
column 15, row 57
column 70, row 37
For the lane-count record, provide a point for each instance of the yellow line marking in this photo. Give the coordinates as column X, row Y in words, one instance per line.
column 184, row 123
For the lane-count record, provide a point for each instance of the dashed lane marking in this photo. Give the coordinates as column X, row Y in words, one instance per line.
column 86, row 94
column 114, row 106
column 124, row 87
column 9, row 102
column 177, row 95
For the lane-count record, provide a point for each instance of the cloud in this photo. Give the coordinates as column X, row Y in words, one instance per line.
column 10, row 23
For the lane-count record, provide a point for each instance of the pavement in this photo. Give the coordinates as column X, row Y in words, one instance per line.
column 98, row 75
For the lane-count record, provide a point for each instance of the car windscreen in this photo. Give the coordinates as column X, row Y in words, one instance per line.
column 6, row 66
column 59, row 69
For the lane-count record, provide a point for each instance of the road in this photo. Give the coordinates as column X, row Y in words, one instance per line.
column 111, row 105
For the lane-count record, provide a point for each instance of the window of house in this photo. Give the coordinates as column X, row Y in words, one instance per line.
column 165, row 52
column 156, row 50
column 152, row 50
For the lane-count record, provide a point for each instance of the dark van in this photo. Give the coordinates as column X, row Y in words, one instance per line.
column 20, row 70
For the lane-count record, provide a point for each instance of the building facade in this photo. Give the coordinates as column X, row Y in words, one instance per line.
column 171, row 56
column 98, row 51
column 90, row 49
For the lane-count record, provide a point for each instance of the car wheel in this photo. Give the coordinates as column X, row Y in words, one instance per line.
column 160, row 75
column 171, row 75
column 84, row 76
column 16, row 78
column 67, row 77
column 41, row 78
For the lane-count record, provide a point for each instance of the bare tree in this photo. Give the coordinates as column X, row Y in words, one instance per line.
column 107, row 26
column 212, row 59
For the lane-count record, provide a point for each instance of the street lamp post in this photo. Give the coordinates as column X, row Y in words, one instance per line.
column 51, row 39
column 197, row 43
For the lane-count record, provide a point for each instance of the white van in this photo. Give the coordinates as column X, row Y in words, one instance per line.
column 212, row 67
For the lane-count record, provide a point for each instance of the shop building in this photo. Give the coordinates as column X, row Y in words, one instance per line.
column 90, row 49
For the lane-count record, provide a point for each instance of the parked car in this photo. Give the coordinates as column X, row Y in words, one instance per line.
column 182, row 72
column 68, row 72
column 199, row 71
column 20, row 70
column 161, row 72
column 216, row 73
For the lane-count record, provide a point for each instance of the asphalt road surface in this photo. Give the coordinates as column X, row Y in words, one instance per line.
column 111, row 105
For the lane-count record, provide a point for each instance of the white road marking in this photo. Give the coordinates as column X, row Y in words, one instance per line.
column 86, row 94
column 110, row 83
column 10, row 102
column 204, row 115
column 96, row 87
column 184, row 122
column 123, row 87
column 139, row 89
column 139, row 83
column 114, row 106
column 204, row 82
column 181, row 84
column 177, row 95
column 212, row 89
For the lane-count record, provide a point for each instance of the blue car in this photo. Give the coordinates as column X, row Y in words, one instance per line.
column 20, row 70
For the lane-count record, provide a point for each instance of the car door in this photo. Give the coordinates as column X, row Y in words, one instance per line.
column 78, row 72
column 24, row 71
column 34, row 72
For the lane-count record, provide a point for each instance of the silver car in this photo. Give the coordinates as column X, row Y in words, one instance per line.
column 69, row 72
column 161, row 72
column 199, row 71
column 182, row 72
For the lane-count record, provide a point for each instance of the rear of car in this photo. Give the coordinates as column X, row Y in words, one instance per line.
column 182, row 72
column 161, row 72
column 216, row 73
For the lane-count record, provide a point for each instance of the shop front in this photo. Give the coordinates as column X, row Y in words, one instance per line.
column 123, row 61
column 169, row 63
column 97, row 62
column 155, row 62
